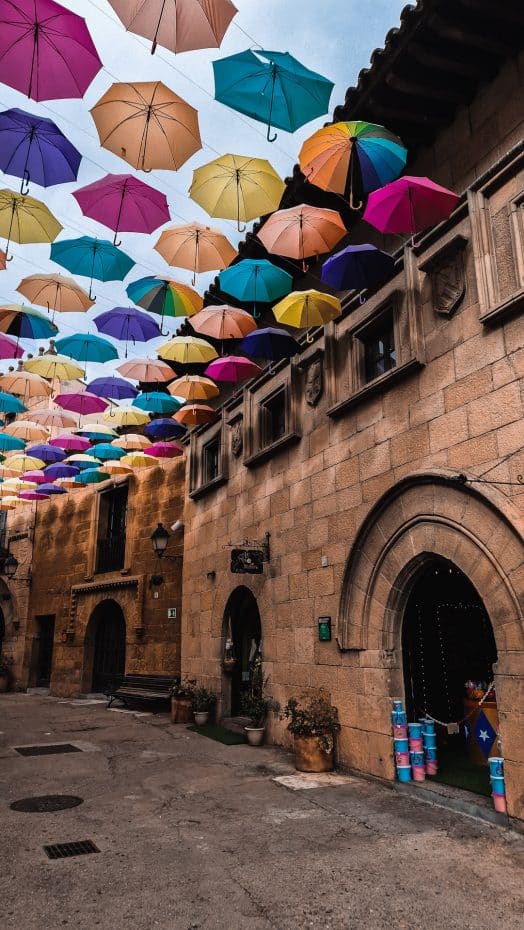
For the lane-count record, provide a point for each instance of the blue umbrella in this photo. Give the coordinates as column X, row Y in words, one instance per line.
column 127, row 323
column 270, row 343
column 10, row 404
column 47, row 453
column 93, row 258
column 357, row 267
column 106, row 452
column 255, row 281
column 34, row 149
column 164, row 428
column 60, row 471
column 112, row 387
column 272, row 87
column 91, row 476
column 10, row 443
column 51, row 489
column 85, row 347
column 158, row 402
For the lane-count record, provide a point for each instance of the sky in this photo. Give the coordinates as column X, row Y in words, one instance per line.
column 333, row 37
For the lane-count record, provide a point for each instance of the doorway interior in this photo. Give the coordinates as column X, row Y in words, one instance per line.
column 244, row 629
column 43, row 663
column 106, row 641
column 448, row 647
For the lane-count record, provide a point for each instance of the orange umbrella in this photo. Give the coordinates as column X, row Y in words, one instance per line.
column 195, row 247
column 3, row 260
column 131, row 442
column 193, row 388
column 301, row 232
column 147, row 125
column 25, row 385
column 55, row 292
column 147, row 370
column 223, row 322
column 179, row 25
column 27, row 430
column 50, row 418
column 195, row 415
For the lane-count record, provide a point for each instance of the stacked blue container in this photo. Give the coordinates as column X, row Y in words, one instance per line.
column 429, row 737
column 400, row 741
column 498, row 784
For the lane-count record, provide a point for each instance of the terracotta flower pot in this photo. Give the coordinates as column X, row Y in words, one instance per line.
column 201, row 717
column 181, row 710
column 255, row 735
column 310, row 757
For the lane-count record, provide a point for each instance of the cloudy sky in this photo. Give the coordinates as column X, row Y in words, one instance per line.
column 333, row 37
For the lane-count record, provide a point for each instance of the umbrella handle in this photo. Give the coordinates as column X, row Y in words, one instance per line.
column 309, row 338
column 256, row 313
column 362, row 299
column 91, row 295
column 305, row 266
column 269, row 137
column 241, row 227
column 25, row 180
column 115, row 242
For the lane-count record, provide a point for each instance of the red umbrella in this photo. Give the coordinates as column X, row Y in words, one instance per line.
column 409, row 205
column 123, row 203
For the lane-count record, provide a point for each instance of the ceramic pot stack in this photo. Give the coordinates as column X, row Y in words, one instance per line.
column 498, row 784
column 429, row 739
column 416, row 751
column 400, row 741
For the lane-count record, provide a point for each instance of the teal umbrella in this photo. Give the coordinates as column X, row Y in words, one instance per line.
column 10, row 443
column 10, row 404
column 93, row 258
column 104, row 451
column 272, row 87
column 158, row 402
column 255, row 281
column 85, row 347
column 91, row 476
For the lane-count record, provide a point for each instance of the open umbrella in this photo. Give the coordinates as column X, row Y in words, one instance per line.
column 13, row 485
column 34, row 149
column 179, row 25
column 127, row 324
column 46, row 51
column 54, row 366
column 50, row 419
column 25, row 322
column 10, row 404
column 82, row 402
column 272, row 87
column 47, row 453
column 195, row 247
column 237, row 187
column 165, row 297
column 345, row 157
column 131, row 442
column 187, row 350
column 81, row 461
column 57, row 293
column 255, row 281
column 92, row 258
column 24, row 384
column 97, row 432
column 409, row 205
column 357, row 267
column 84, row 347
column 49, row 488
column 21, row 461
column 112, row 387
column 303, row 309
column 71, row 443
column 61, row 470
column 124, row 203
column 27, row 430
column 223, row 322
column 158, row 402
column 163, row 428
column 126, row 416
column 147, row 125
column 36, row 495
column 232, row 369
column 115, row 467
column 138, row 460
column 301, row 232
column 270, row 343
column 36, row 475
column 10, row 443
column 24, row 219
column 105, row 451
column 11, row 502
column 9, row 348
column 195, row 415
column 91, row 476
column 164, row 450
column 193, row 388
column 147, row 370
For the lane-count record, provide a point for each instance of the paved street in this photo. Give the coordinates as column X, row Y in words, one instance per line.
column 195, row 834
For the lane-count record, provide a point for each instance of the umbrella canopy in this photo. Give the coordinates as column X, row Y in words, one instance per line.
column 163, row 428
column 345, row 157
column 10, row 404
column 95, row 430
column 85, row 347
column 232, row 369
column 124, row 203
column 54, row 366
column 50, row 488
column 11, row 485
column 272, row 87
column 164, row 450
column 127, row 324
column 6, row 472
column 11, row 502
column 255, row 280
column 23, row 462
column 59, row 294
column 357, row 267
column 46, row 51
column 24, row 219
column 158, row 402
column 81, row 402
column 147, row 125
column 270, row 343
column 138, row 460
column 131, row 442
column 27, row 430
column 301, row 232
column 187, row 350
column 91, row 476
column 105, row 451
column 193, row 388
column 60, row 470
column 68, row 484
column 47, row 453
column 409, row 205
column 179, row 25
column 81, row 461
column 126, row 416
column 11, row 443
column 165, row 297
column 25, row 384
column 92, row 258
column 112, row 387
column 195, row 247
column 237, row 187
column 36, row 475
column 37, row 495
column 303, row 309
column 34, row 149
column 147, row 370
column 195, row 415
column 114, row 467
column 223, row 322
column 50, row 419
column 25, row 322
column 70, row 443
column 9, row 348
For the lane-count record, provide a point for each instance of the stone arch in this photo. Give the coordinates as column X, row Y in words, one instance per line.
column 242, row 623
column 106, row 611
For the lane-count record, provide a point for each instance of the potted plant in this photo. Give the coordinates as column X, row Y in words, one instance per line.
column 254, row 705
column 181, row 704
column 202, row 702
column 6, row 663
column 313, row 721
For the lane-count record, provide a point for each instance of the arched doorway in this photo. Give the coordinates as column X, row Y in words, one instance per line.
column 242, row 627
column 106, row 644
column 449, row 651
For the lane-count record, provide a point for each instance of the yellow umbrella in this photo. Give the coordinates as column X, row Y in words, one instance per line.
column 24, row 219
column 55, row 292
column 303, row 309
column 27, row 429
column 138, row 460
column 237, row 187
column 18, row 484
column 193, row 388
column 126, row 416
column 54, row 366
column 11, row 502
column 116, row 468
column 131, row 442
column 187, row 350
column 25, row 385
column 97, row 429
column 195, row 247
column 23, row 462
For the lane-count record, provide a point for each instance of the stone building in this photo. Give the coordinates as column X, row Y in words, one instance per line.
column 90, row 600
column 384, row 459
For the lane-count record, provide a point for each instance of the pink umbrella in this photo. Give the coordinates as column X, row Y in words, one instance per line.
column 37, row 476
column 33, row 496
column 9, row 348
column 233, row 368
column 164, row 450
column 122, row 202
column 81, row 402
column 46, row 51
column 71, row 443
column 409, row 205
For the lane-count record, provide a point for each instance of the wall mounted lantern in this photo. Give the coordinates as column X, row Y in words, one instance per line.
column 160, row 539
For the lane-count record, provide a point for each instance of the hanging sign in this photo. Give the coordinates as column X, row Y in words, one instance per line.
column 247, row 561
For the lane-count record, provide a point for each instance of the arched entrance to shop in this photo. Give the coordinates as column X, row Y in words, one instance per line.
column 448, row 652
column 105, row 646
column 243, row 631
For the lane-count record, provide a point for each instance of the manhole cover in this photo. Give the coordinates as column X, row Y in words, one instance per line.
column 51, row 749
column 66, row 850
column 46, row 803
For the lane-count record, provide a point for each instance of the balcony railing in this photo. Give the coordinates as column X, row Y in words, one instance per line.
column 110, row 554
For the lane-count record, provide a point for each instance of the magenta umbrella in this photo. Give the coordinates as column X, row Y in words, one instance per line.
column 409, row 205
column 123, row 203
column 9, row 348
column 46, row 51
column 71, row 443
column 232, row 368
column 36, row 476
column 164, row 450
column 81, row 402
column 33, row 496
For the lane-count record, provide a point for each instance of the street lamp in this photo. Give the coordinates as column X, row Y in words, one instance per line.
column 10, row 566
column 159, row 540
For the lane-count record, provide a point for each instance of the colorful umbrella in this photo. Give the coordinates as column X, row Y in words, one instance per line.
column 11, row 485
column 92, row 258
column 114, row 467
column 223, row 322
column 193, row 388
column 237, row 187
column 11, row 502
column 24, row 384
column 98, row 432
column 34, row 149
column 147, row 125
column 303, row 309
column 47, row 452
column 105, row 451
column 6, row 472
column 158, row 402
column 20, row 461
column 82, row 402
column 27, row 430
column 9, row 348
column 46, row 51
column 195, row 415
column 85, row 347
column 409, row 205
column 301, row 232
column 345, row 157
column 50, row 488
column 54, row 366
column 357, row 267
column 232, row 369
column 255, row 281
column 36, row 476
column 10, row 443
column 127, row 324
column 163, row 428
column 10, row 404
column 138, row 460
column 187, row 350
column 70, row 443
column 270, row 343
column 24, row 219
column 61, row 470
column 50, row 419
column 164, row 450
column 126, row 416
column 91, row 476
column 37, row 495
column 112, row 387
column 62, row 295
column 81, row 461
column 25, row 322
column 123, row 203
column 147, row 370
column 272, row 87
column 179, row 25
column 165, row 297
column 131, row 442
column 195, row 247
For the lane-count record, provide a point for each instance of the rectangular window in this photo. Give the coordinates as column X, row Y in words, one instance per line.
column 273, row 418
column 111, row 541
column 3, row 530
column 379, row 348
column 211, row 462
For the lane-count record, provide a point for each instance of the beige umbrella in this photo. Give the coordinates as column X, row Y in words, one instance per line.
column 179, row 25
column 28, row 430
column 195, row 247
column 11, row 502
column 126, row 416
column 131, row 442
column 25, row 385
column 193, row 388
column 147, row 370
column 56, row 293
column 147, row 125
column 51, row 419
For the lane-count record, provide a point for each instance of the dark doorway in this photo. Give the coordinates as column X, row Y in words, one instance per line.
column 2, row 629
column 243, row 628
column 45, row 634
column 109, row 655
column 448, row 646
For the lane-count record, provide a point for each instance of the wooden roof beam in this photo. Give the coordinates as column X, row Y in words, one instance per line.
column 468, row 38
column 428, row 92
column 498, row 11
column 439, row 62
column 417, row 120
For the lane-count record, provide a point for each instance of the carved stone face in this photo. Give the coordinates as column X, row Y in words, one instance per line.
column 313, row 390
column 449, row 285
column 237, row 439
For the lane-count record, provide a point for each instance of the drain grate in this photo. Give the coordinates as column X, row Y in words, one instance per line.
column 46, row 803
column 51, row 749
column 67, row 850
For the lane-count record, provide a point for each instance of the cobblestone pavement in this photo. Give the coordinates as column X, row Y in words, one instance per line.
column 194, row 834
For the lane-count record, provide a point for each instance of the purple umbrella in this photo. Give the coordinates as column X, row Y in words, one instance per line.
column 122, row 202
column 52, row 489
column 46, row 51
column 34, row 149
column 47, row 453
column 113, row 388
column 81, row 402
column 60, row 471
column 164, row 428
column 127, row 323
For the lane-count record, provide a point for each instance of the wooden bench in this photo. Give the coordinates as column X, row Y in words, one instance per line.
column 149, row 689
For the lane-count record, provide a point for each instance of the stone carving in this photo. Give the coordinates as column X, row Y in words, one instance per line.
column 314, row 385
column 237, row 438
column 449, row 284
